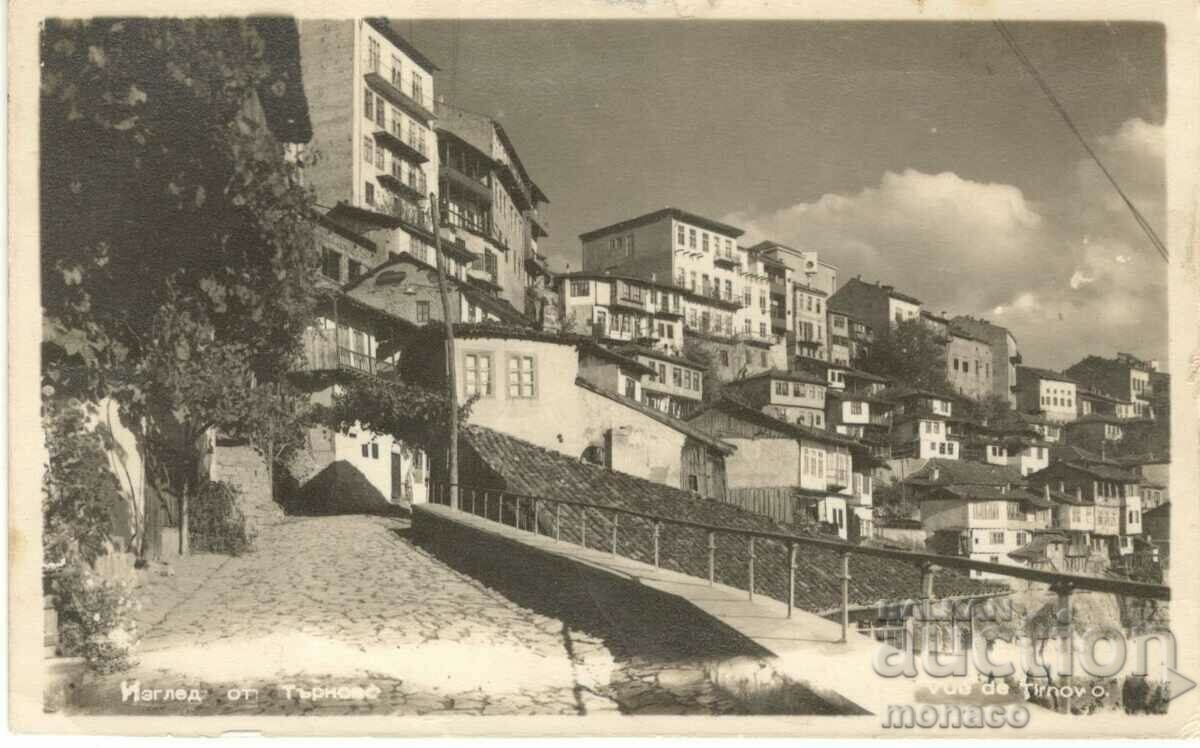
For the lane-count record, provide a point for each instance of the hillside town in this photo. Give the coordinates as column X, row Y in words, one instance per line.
column 679, row 373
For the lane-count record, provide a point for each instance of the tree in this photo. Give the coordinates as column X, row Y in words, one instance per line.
column 913, row 355
column 703, row 358
column 282, row 415
column 409, row 412
column 991, row 410
column 177, row 258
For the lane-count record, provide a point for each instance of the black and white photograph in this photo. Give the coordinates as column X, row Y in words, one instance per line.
column 693, row 370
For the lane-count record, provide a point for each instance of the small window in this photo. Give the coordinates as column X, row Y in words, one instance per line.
column 478, row 374
column 366, row 450
column 521, row 374
column 422, row 312
column 374, row 450
column 368, row 147
column 370, row 194
column 331, row 264
column 355, row 269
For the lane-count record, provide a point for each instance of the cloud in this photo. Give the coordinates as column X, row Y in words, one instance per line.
column 1070, row 275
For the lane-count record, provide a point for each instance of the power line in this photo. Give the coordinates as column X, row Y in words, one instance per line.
column 1137, row 215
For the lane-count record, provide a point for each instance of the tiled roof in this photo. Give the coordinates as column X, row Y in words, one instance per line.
column 682, row 427
column 599, row 351
column 961, row 472
column 790, row 376
column 641, row 350
column 1046, row 374
column 533, row 471
column 1035, row 550
column 731, row 403
column 1075, row 453
column 1105, row 472
column 1096, row 418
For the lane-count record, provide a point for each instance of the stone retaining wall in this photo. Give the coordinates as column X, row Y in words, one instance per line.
column 245, row 469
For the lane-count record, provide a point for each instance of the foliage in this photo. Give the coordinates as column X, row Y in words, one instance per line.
column 79, row 492
column 281, row 415
column 163, row 189
column 405, row 411
column 95, row 618
column 216, row 522
column 991, row 410
column 912, row 354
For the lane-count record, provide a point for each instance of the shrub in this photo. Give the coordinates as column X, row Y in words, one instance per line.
column 215, row 521
column 95, row 618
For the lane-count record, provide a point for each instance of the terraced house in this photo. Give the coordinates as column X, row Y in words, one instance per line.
column 371, row 100
column 1112, row 494
column 790, row 396
column 1124, row 377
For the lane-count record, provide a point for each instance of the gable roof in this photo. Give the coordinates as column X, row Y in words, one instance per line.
column 530, row 470
column 595, row 349
column 1046, row 374
column 790, row 376
column 964, row 473
column 384, row 26
column 1095, row 469
column 735, row 406
column 629, row 349
column 682, row 427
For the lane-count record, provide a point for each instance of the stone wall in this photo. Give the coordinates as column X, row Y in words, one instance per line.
column 245, row 469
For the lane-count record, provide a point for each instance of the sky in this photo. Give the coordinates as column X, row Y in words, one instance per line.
column 918, row 154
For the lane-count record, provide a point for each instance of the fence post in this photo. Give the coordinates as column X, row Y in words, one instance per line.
column 583, row 526
column 534, row 501
column 616, row 518
column 1062, row 615
column 927, row 580
column 751, row 584
column 845, row 596
column 517, row 511
column 791, row 578
column 712, row 556
column 657, row 529
column 557, row 522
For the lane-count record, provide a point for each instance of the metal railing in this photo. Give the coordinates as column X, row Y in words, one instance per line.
column 491, row 504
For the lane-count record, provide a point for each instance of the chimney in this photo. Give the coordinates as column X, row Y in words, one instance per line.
column 936, row 473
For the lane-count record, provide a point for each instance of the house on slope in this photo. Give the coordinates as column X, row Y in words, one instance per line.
column 530, row 384
column 791, row 472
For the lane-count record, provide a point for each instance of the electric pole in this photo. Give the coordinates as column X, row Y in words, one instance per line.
column 435, row 215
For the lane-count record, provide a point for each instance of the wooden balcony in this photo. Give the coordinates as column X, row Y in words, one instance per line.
column 322, row 353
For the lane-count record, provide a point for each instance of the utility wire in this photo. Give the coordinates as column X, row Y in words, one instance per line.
column 1137, row 215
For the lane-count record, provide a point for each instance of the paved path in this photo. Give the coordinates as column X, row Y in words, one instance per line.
column 348, row 601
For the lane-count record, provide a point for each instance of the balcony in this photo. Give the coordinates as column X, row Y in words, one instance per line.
column 460, row 251
column 516, row 189
column 322, row 353
column 537, row 224
column 415, row 109
column 727, row 260
column 393, row 184
column 474, row 187
column 399, row 148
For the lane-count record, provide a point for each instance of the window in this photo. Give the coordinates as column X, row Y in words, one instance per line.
column 374, row 450
column 422, row 312
column 679, row 236
column 724, row 358
column 856, row 409
column 521, row 382
column 692, row 238
column 380, row 159
column 676, row 376
column 629, row 246
column 580, row 288
column 478, row 374
column 373, row 55
column 366, row 450
column 997, row 537
column 380, row 114
column 693, row 484
column 489, row 262
column 704, row 241
column 369, row 104
column 418, row 92
column 985, row 510
column 355, row 269
column 397, row 73
column 763, row 356
column 331, row 264
column 781, row 388
column 368, row 146
column 630, row 388
column 762, row 329
column 370, row 190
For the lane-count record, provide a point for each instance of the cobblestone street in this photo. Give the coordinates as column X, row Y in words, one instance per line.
column 349, row 601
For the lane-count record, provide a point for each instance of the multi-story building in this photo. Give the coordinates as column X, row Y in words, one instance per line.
column 1005, row 356
column 880, row 307
column 976, row 510
column 677, row 384
column 1092, row 401
column 489, row 203
column 1111, row 491
column 799, row 470
column 857, row 409
column 724, row 291
column 969, row 365
column 850, row 338
column 370, row 94
column 1125, row 377
column 790, row 396
column 1046, row 392
column 921, row 425
column 623, row 309
column 810, row 318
